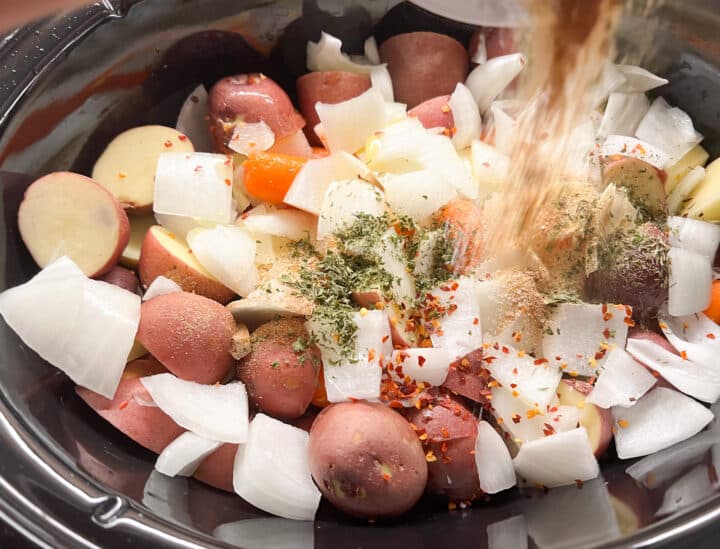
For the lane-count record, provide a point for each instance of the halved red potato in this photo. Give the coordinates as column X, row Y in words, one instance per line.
column 423, row 65
column 127, row 166
column 65, row 213
column 645, row 186
column 189, row 334
column 327, row 87
column 597, row 421
column 139, row 226
column 469, row 378
column 250, row 98
column 164, row 254
column 217, row 469
column 434, row 113
column 149, row 426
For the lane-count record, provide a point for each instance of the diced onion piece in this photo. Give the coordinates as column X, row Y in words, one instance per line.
column 286, row 223
column 192, row 120
column 678, row 197
column 395, row 112
column 659, row 467
column 493, row 461
column 392, row 259
column 525, row 422
column 251, row 137
column 312, row 181
column 228, row 253
column 195, row 187
column 293, row 145
column 634, row 148
column 371, row 51
column 342, row 203
column 534, row 383
column 327, row 55
column 490, row 167
column 161, row 286
column 622, row 381
column 84, row 327
column 460, row 330
column 184, row 454
column 579, row 332
column 690, row 282
column 504, row 125
column 426, row 365
column 661, row 418
column 695, row 235
column 638, row 80
column 695, row 336
column 623, row 114
column 486, row 82
column 215, row 412
column 611, row 79
column 426, row 253
column 669, row 129
column 693, row 379
column 359, row 375
column 466, row 117
column 272, row 471
column 349, row 124
column 406, row 146
column 381, row 81
column 479, row 56
column 417, row 194
column 557, row 460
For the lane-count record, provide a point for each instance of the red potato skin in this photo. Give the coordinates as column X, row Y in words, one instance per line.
column 279, row 380
column 606, row 420
column 451, row 432
column 367, row 460
column 124, row 223
column 156, row 260
column 189, row 334
column 327, row 87
column 123, row 278
column 250, row 98
column 434, row 113
column 423, row 65
column 147, row 425
column 467, row 377
column 217, row 469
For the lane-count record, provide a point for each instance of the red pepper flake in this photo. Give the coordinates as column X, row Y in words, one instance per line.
column 228, row 182
column 629, row 321
column 579, row 483
column 683, row 354
column 540, row 361
column 168, row 144
column 444, row 446
column 532, row 413
column 606, row 333
column 444, row 432
column 515, row 394
column 122, row 175
column 454, row 286
column 123, row 404
column 505, row 350
column 607, row 316
column 513, row 385
column 516, row 417
column 624, row 423
column 710, row 336
column 386, row 477
column 182, row 137
column 421, row 360
column 476, row 321
column 385, row 338
column 515, row 371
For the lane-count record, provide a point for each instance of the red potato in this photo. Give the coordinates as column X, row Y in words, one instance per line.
column 189, row 334
column 123, row 278
column 250, row 98
column 147, row 425
column 463, row 223
column 281, row 371
column 423, row 65
column 65, row 213
column 644, row 183
column 367, row 460
column 327, row 87
column 217, row 469
column 597, row 421
column 165, row 254
column 467, row 377
column 451, row 431
column 434, row 113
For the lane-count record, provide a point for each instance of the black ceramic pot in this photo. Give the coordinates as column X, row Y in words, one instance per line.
column 69, row 84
